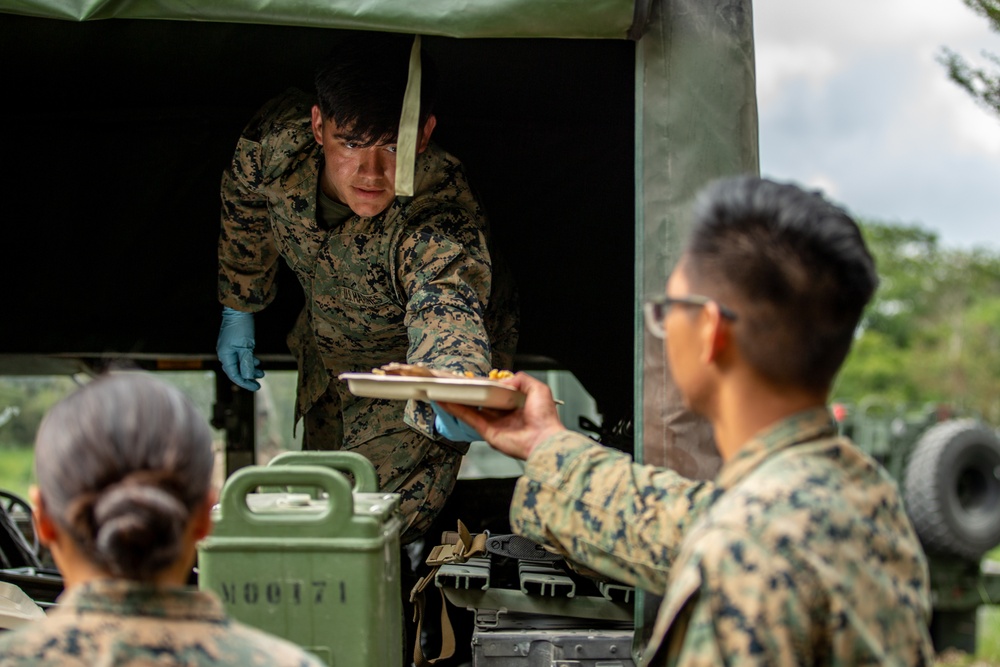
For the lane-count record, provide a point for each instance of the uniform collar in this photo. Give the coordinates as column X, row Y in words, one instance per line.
column 132, row 598
column 799, row 427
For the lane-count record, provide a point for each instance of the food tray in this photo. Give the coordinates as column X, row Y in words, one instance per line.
column 467, row 391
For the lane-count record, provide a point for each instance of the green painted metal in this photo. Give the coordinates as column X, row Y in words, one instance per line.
column 323, row 573
column 958, row 590
column 583, row 606
column 590, row 19
column 958, row 586
column 360, row 468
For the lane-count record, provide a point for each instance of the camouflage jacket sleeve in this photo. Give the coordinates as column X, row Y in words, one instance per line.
column 599, row 509
column 444, row 274
column 248, row 256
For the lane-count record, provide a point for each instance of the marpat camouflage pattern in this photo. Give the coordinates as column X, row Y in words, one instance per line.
column 130, row 625
column 416, row 283
column 800, row 552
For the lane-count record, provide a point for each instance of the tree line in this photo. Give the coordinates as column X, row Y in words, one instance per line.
column 932, row 331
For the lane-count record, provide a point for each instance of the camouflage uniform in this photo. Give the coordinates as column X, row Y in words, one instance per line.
column 415, row 283
column 800, row 552
column 125, row 623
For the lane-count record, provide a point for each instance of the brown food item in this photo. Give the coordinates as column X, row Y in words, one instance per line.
column 414, row 370
column 419, row 370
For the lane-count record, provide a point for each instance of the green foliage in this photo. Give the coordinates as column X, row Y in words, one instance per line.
column 932, row 331
column 988, row 632
column 873, row 368
column 17, row 470
column 981, row 83
column 29, row 398
column 24, row 400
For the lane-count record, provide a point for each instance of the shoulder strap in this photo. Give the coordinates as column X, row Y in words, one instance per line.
column 456, row 547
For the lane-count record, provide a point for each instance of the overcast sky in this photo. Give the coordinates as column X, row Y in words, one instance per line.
column 852, row 100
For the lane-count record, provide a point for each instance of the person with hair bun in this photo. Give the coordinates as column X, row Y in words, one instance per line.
column 124, row 494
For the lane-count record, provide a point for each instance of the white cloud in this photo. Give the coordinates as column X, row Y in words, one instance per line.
column 971, row 128
column 825, row 183
column 778, row 63
column 852, row 100
column 868, row 24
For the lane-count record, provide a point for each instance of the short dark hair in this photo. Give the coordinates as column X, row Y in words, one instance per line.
column 360, row 84
column 794, row 267
column 121, row 463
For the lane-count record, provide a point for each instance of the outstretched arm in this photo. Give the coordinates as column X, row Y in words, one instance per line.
column 444, row 276
column 589, row 502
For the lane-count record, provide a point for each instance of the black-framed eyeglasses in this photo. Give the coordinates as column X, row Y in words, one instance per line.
column 655, row 310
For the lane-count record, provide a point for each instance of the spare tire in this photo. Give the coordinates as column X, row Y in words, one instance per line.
column 952, row 489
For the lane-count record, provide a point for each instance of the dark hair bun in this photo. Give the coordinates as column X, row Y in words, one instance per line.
column 137, row 529
column 122, row 463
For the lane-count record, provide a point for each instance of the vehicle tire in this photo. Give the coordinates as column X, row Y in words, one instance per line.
column 952, row 489
column 12, row 503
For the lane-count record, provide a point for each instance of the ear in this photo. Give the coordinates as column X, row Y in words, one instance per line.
column 715, row 333
column 317, row 124
column 425, row 133
column 45, row 527
column 203, row 515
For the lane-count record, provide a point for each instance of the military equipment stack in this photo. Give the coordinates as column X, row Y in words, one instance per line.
column 529, row 607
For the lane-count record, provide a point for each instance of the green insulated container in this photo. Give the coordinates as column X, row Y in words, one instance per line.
column 321, row 568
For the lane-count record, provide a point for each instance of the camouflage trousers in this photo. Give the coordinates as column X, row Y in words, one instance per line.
column 422, row 471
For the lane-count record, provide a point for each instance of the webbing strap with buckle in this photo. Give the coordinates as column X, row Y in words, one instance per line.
column 457, row 547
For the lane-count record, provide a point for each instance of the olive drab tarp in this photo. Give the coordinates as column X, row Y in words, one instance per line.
column 696, row 120
column 589, row 19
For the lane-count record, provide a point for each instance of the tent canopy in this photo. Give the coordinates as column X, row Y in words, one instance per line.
column 590, row 19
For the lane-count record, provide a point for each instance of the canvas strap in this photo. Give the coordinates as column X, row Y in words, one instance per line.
column 456, row 547
column 409, row 121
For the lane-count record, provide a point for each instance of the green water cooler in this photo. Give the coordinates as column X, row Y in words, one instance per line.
column 319, row 567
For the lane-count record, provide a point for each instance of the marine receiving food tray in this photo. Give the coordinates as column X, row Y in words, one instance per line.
column 467, row 391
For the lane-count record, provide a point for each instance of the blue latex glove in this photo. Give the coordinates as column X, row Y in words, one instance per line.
column 235, row 349
column 453, row 428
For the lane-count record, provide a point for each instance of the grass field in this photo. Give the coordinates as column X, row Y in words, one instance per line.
column 988, row 630
column 988, row 634
column 16, row 473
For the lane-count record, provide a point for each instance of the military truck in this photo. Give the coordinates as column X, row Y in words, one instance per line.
column 586, row 126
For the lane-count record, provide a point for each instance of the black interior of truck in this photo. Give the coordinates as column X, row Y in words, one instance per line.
column 117, row 131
